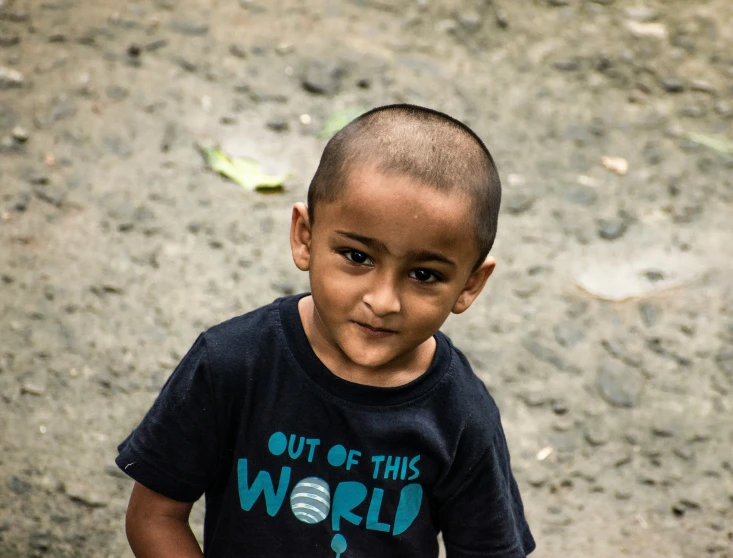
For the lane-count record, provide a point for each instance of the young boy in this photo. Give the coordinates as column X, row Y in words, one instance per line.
column 343, row 423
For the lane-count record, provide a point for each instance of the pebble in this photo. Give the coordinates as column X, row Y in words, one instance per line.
column 544, row 353
column 18, row 486
column 611, row 229
column 20, row 134
column 672, row 85
column 278, row 125
column 83, row 494
column 581, row 195
column 470, row 21
column 8, row 40
column 537, row 478
column 238, row 51
column 568, row 334
column 534, row 398
column 321, row 78
column 33, row 389
column 597, row 433
column 117, row 92
column 516, row 203
column 618, row 385
column 650, row 313
column 10, row 78
column 617, row 349
column 641, row 14
column 189, row 28
column 558, row 2
column 40, row 540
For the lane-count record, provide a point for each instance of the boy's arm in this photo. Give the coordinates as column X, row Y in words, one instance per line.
column 157, row 527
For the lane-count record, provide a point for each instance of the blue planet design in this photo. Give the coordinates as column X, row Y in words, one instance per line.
column 310, row 500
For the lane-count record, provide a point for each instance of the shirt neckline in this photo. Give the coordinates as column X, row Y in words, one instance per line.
column 361, row 394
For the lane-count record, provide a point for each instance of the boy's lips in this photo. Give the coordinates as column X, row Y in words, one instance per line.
column 373, row 329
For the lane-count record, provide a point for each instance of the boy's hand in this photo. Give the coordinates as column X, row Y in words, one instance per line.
column 157, row 527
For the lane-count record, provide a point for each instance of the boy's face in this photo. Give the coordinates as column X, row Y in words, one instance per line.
column 389, row 260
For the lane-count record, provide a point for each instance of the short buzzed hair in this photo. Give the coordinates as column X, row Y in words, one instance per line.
column 424, row 144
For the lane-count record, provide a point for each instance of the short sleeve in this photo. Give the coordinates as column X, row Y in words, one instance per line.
column 173, row 451
column 485, row 516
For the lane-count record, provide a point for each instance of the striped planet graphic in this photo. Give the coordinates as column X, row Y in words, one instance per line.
column 310, row 500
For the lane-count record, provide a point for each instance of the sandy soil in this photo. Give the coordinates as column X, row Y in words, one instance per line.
column 606, row 333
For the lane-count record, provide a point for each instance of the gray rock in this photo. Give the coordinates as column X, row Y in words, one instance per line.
column 40, row 540
column 470, row 21
column 537, row 478
column 724, row 360
column 18, row 486
column 619, row 385
column 558, row 2
column 62, row 107
column 568, row 334
column 672, row 85
column 117, row 92
column 611, row 229
column 641, row 14
column 617, row 349
column 118, row 145
column 650, row 313
column 516, row 203
column 9, row 39
column 278, row 124
column 321, row 78
column 581, row 195
column 597, row 433
column 238, row 51
column 190, row 28
column 534, row 398
column 20, row 134
column 10, row 78
column 545, row 354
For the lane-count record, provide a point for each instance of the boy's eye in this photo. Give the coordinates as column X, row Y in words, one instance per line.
column 357, row 257
column 424, row 275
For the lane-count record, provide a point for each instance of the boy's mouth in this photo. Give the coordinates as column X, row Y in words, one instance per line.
column 374, row 330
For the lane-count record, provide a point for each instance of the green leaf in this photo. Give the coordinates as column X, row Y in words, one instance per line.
column 338, row 120
column 719, row 144
column 245, row 172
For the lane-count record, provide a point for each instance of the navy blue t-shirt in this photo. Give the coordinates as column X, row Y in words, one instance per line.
column 295, row 461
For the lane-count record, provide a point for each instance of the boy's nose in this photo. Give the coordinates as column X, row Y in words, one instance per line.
column 383, row 298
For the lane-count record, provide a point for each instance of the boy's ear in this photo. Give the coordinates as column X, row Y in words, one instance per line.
column 300, row 237
column 474, row 285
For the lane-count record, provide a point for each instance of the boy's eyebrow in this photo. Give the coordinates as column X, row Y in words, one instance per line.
column 419, row 255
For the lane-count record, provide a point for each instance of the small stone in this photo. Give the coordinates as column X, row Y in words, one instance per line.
column 9, row 40
column 568, row 334
column 581, row 195
column 187, row 64
column 278, row 125
column 534, row 398
column 664, row 430
column 33, row 389
column 684, row 453
column 537, row 478
column 544, row 353
column 641, row 14
column 612, row 229
column 470, row 21
column 622, row 495
column 724, row 109
column 560, row 407
column 650, row 313
column 18, row 486
column 40, row 540
column 597, row 433
column 189, row 28
column 516, row 203
column 20, row 134
column 320, row 78
column 568, row 64
column 10, row 78
column 238, row 51
column 672, row 85
column 557, row 3
column 83, row 494
column 620, row 386
column 117, row 92
column 525, row 289
column 155, row 45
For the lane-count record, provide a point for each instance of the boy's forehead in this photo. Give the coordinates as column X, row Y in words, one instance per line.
column 397, row 209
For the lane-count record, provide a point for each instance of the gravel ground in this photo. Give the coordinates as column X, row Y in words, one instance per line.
column 606, row 334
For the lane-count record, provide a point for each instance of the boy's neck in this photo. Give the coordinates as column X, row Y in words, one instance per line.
column 398, row 373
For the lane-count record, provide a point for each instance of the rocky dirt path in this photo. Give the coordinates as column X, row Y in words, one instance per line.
column 606, row 334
